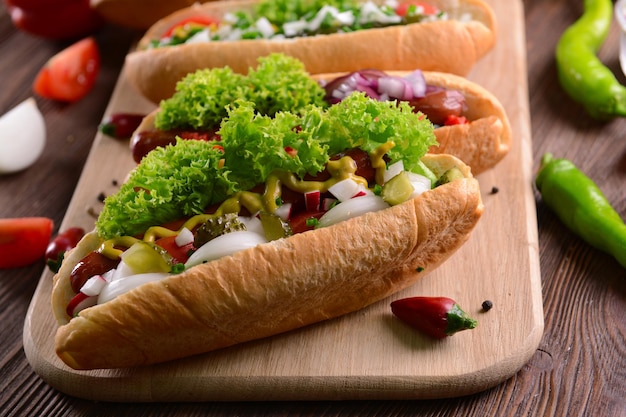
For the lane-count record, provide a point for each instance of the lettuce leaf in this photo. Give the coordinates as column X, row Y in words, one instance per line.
column 279, row 83
column 183, row 179
column 171, row 182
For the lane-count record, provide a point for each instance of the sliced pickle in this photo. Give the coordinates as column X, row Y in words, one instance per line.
column 143, row 257
column 217, row 226
column 398, row 189
column 450, row 175
column 274, row 227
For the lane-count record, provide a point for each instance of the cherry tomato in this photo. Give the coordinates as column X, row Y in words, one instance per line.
column 70, row 74
column 179, row 253
column 63, row 242
column 403, row 8
column 23, row 240
column 121, row 125
column 191, row 21
column 54, row 19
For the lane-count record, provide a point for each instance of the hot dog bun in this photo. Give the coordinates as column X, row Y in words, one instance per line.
column 283, row 285
column 452, row 46
column 138, row 14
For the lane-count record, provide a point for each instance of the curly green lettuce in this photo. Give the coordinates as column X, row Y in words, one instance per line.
column 279, row 83
column 183, row 179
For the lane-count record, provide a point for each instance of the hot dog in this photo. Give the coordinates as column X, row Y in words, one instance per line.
column 451, row 39
column 471, row 122
column 344, row 263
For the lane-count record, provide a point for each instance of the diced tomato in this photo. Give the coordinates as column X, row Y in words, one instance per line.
column 23, row 240
column 453, row 119
column 304, row 221
column 54, row 19
column 403, row 8
column 70, row 74
column 179, row 253
column 194, row 20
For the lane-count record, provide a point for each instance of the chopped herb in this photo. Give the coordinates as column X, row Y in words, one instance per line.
column 312, row 222
column 419, row 269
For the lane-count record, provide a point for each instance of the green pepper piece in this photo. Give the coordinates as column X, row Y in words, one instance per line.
column 581, row 74
column 581, row 206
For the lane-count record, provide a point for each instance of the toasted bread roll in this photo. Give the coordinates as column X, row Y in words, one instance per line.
column 282, row 285
column 138, row 14
column 453, row 46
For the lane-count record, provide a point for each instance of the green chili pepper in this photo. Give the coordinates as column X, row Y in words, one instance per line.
column 581, row 206
column 581, row 74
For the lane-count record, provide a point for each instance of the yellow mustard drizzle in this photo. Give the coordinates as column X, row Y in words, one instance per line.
column 340, row 169
column 378, row 161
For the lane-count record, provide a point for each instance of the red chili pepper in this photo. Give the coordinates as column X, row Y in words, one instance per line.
column 121, row 125
column 61, row 244
column 437, row 317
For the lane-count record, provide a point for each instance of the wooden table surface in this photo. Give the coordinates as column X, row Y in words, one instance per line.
column 579, row 368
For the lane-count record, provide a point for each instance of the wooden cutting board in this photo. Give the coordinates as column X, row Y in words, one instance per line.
column 358, row 356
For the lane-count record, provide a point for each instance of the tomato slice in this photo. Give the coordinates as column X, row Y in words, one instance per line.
column 191, row 21
column 70, row 74
column 428, row 9
column 179, row 253
column 23, row 240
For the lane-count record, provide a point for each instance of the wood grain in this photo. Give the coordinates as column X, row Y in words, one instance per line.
column 578, row 369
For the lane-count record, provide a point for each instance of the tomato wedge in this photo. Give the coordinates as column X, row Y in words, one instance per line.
column 23, row 240
column 71, row 74
column 427, row 9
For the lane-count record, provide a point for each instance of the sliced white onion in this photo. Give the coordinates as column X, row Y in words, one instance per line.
column 184, row 237
column 199, row 37
column 352, row 208
column 294, row 28
column 93, row 285
column 121, row 286
column 420, row 183
column 253, row 224
column 225, row 245
column 122, row 271
column 284, row 211
column 393, row 170
column 371, row 12
column 265, row 27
